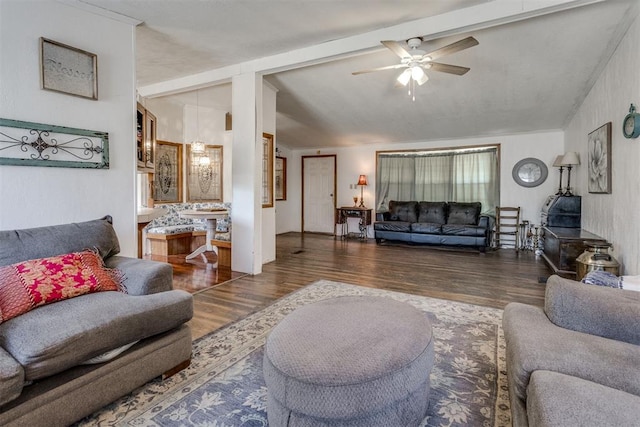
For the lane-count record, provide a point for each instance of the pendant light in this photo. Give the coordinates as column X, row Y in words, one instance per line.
column 197, row 146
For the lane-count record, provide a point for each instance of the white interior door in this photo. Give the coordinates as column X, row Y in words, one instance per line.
column 319, row 177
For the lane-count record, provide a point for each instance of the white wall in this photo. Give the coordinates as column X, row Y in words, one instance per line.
column 351, row 162
column 615, row 216
column 169, row 117
column 38, row 196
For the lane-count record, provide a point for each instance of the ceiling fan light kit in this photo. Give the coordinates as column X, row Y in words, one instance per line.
column 416, row 61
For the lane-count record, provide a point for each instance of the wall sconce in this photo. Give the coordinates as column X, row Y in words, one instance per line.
column 569, row 160
column 362, row 181
column 557, row 163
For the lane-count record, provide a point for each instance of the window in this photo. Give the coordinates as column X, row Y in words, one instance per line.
column 452, row 175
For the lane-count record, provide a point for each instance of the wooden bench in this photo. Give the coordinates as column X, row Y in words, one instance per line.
column 224, row 253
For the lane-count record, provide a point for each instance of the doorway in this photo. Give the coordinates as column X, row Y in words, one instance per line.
column 318, row 193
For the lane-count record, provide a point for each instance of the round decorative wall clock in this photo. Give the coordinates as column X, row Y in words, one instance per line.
column 631, row 123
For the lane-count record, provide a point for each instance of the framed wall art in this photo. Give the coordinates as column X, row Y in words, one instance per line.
column 599, row 154
column 281, row 178
column 67, row 69
column 204, row 174
column 267, row 170
column 167, row 180
column 37, row 144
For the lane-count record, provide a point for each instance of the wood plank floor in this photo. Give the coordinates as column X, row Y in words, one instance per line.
column 492, row 279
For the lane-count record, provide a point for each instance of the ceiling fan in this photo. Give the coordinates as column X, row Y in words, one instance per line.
column 416, row 61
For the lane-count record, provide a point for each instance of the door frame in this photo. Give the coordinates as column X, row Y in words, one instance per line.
column 335, row 186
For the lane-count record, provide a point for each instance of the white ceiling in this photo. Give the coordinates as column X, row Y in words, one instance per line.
column 529, row 75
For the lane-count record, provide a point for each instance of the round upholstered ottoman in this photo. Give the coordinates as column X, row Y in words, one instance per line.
column 349, row 361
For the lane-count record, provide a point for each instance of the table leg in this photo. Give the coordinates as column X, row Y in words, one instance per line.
column 207, row 247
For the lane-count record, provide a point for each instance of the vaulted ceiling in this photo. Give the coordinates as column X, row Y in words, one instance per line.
column 535, row 62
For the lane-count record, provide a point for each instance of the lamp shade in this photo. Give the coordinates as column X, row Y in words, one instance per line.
column 362, row 180
column 571, row 159
column 558, row 161
column 404, row 78
column 197, row 147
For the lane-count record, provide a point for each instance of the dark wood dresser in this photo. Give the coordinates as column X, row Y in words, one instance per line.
column 562, row 246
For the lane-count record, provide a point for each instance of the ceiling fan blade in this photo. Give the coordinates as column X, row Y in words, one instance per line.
column 396, row 48
column 447, row 68
column 453, row 48
column 388, row 67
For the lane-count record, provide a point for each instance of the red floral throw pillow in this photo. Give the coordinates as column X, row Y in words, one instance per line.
column 29, row 284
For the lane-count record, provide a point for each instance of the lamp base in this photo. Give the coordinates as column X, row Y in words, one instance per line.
column 361, row 205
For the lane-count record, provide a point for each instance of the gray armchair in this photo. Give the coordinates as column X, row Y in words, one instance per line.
column 575, row 362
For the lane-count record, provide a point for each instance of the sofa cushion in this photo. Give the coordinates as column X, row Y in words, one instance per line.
column 175, row 229
column 29, row 284
column 426, row 228
column 42, row 242
column 555, row 399
column 403, row 211
column 55, row 337
column 464, row 213
column 11, row 377
column 392, row 226
column 432, row 212
column 463, row 230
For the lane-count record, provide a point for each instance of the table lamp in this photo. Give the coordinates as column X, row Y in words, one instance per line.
column 569, row 160
column 362, row 181
column 557, row 163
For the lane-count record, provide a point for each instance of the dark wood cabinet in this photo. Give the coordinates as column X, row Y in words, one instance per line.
column 145, row 139
column 562, row 246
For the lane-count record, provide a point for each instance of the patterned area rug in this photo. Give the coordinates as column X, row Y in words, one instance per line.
column 224, row 387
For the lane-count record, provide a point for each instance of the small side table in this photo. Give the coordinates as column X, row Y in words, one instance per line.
column 211, row 216
column 343, row 213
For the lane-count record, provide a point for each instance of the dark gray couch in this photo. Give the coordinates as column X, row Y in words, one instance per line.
column 434, row 223
column 43, row 381
column 577, row 361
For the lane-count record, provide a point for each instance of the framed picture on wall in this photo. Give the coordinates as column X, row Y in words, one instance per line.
column 204, row 174
column 67, row 69
column 167, row 180
column 281, row 178
column 267, row 170
column 599, row 152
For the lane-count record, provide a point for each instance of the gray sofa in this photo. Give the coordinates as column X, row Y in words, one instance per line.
column 43, row 381
column 577, row 361
column 434, row 223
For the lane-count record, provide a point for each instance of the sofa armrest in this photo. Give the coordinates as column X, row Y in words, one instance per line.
column 143, row 277
column 11, row 377
column 487, row 221
column 596, row 310
column 382, row 216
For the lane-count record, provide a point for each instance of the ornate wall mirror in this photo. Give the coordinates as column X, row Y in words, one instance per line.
column 530, row 172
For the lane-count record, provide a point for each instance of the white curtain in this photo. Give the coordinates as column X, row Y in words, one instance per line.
column 432, row 178
column 476, row 179
column 395, row 176
column 452, row 176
